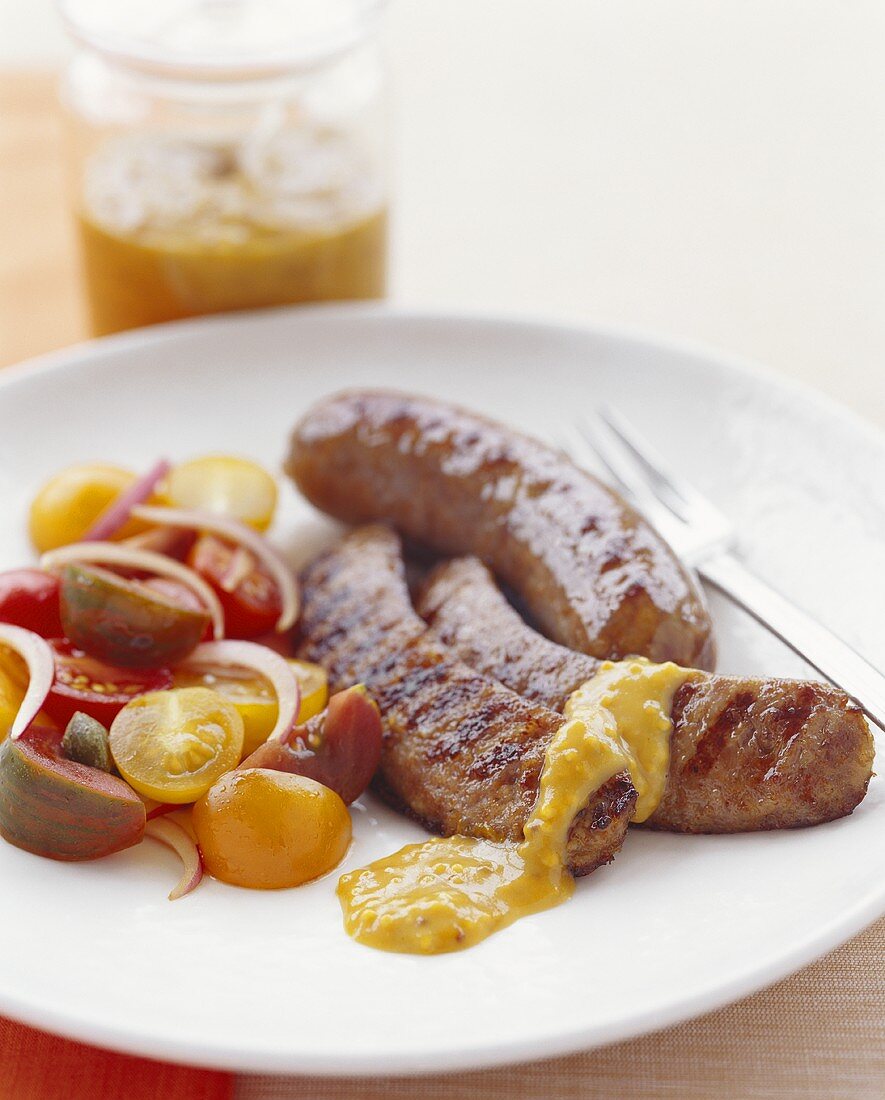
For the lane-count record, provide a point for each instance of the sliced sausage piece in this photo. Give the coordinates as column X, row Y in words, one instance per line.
column 461, row 753
column 746, row 754
column 591, row 572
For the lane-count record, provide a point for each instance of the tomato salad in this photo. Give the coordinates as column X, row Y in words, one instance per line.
column 148, row 687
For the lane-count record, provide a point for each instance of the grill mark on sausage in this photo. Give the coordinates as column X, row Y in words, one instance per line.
column 788, row 720
column 708, row 747
column 745, row 753
column 495, row 760
column 461, row 753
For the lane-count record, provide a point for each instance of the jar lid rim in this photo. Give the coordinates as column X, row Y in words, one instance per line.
column 300, row 43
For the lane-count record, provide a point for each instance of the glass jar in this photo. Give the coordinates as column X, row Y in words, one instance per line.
column 227, row 154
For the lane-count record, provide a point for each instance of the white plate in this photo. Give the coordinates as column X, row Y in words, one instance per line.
column 677, row 925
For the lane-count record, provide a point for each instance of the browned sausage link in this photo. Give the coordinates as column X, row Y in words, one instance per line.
column 592, row 573
column 462, row 754
column 466, row 611
column 746, row 754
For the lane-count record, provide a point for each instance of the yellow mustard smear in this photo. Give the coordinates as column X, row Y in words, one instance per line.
column 452, row 892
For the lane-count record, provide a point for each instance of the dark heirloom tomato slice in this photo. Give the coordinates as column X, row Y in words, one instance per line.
column 29, row 598
column 126, row 622
column 62, row 809
column 182, row 595
column 98, row 689
column 248, row 595
column 176, row 592
column 340, row 748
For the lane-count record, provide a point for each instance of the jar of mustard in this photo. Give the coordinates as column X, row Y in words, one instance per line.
column 227, row 154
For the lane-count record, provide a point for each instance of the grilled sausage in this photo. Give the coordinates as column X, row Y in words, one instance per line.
column 461, row 754
column 591, row 572
column 745, row 754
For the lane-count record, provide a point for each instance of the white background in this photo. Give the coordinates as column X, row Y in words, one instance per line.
column 702, row 168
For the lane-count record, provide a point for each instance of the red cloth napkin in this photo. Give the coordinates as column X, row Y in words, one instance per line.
column 38, row 1066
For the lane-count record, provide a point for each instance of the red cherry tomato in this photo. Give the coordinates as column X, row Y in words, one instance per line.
column 99, row 690
column 248, row 595
column 29, row 598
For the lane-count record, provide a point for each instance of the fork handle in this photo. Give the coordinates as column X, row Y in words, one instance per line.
column 834, row 659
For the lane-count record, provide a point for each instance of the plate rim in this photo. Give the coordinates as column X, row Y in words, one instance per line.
column 242, row 1059
column 721, row 360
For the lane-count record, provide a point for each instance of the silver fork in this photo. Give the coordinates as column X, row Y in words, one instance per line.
column 706, row 540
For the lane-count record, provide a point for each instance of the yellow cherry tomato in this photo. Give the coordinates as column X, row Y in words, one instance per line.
column 254, row 698
column 268, row 830
column 314, row 684
column 72, row 500
column 251, row 695
column 231, row 486
column 173, row 745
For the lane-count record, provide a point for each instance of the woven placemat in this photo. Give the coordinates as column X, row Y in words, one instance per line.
column 819, row 1034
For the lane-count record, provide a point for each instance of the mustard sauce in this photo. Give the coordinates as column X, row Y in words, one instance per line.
column 638, row 696
column 452, row 892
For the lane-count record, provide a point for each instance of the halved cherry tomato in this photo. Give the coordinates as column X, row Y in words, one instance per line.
column 176, row 592
column 29, row 598
column 231, row 486
column 72, row 500
column 60, row 808
column 268, row 830
column 173, row 745
column 248, row 595
column 253, row 696
column 98, row 689
column 314, row 684
column 340, row 748
column 126, row 622
column 182, row 595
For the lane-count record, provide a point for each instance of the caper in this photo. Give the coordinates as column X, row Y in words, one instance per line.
column 86, row 741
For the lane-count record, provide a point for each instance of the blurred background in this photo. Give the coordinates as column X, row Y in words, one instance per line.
column 705, row 169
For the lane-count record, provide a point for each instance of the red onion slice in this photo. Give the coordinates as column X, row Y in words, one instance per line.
column 112, row 553
column 274, row 668
column 37, row 655
column 242, row 563
column 116, row 514
column 241, row 535
column 175, row 837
